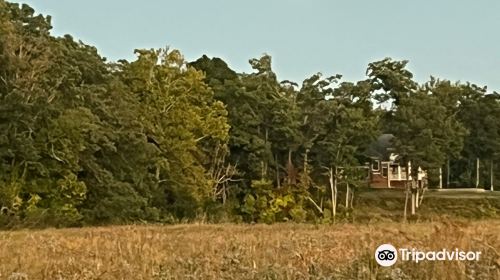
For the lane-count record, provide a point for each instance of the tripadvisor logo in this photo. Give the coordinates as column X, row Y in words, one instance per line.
column 387, row 255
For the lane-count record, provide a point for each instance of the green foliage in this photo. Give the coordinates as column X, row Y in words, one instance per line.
column 268, row 205
column 183, row 122
column 89, row 142
column 159, row 139
column 422, row 118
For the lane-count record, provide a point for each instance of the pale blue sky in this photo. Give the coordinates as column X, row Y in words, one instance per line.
column 452, row 39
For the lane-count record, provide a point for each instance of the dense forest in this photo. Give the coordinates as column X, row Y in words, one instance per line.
column 84, row 141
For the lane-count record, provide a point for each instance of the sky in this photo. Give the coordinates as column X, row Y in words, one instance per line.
column 449, row 39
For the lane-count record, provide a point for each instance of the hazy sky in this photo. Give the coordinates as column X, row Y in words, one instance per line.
column 452, row 39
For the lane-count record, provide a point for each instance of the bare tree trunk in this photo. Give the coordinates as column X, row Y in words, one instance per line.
column 330, row 174
column 333, row 189
column 491, row 175
column 422, row 197
column 262, row 172
column 305, row 171
column 221, row 174
column 406, row 202
column 347, row 196
column 352, row 199
column 224, row 194
column 413, row 196
column 277, row 171
column 440, row 178
column 265, row 164
column 412, row 203
column 448, row 173
column 305, row 161
column 417, row 196
column 290, row 169
column 477, row 172
column 320, row 209
column 407, row 188
column 336, row 195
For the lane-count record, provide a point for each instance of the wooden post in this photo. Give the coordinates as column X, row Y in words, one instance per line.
column 388, row 175
column 477, row 172
column 413, row 197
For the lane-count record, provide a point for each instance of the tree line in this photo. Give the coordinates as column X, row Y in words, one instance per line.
column 84, row 141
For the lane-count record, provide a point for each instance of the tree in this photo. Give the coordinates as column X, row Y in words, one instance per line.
column 424, row 123
column 421, row 118
column 184, row 123
column 36, row 183
column 480, row 114
column 338, row 124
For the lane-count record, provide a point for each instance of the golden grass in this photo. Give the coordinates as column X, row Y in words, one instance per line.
column 283, row 251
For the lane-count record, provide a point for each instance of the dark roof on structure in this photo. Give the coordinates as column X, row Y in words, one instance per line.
column 381, row 148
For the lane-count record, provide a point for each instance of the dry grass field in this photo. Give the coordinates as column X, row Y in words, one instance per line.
column 227, row 251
